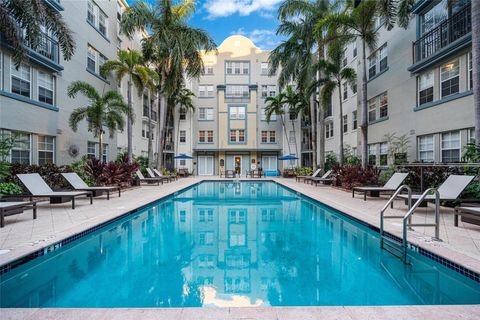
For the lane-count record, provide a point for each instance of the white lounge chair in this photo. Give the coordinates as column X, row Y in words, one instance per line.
column 449, row 190
column 150, row 181
column 9, row 208
column 391, row 186
column 325, row 179
column 78, row 184
column 38, row 188
column 299, row 178
column 171, row 177
column 152, row 175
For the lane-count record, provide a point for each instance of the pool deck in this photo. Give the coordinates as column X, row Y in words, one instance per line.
column 22, row 235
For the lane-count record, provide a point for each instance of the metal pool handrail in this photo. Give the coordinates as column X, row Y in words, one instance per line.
column 412, row 210
column 390, row 202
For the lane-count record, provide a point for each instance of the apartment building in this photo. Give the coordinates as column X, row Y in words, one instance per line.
column 33, row 98
column 419, row 87
column 228, row 129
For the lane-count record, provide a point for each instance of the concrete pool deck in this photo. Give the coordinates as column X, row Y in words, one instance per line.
column 22, row 235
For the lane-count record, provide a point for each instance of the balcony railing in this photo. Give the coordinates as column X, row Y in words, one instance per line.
column 450, row 30
column 47, row 47
column 245, row 98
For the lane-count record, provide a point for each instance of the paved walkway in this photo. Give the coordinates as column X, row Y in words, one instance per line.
column 23, row 235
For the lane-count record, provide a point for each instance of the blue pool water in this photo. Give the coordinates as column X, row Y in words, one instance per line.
column 231, row 244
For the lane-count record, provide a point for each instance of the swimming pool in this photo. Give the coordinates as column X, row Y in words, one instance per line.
column 228, row 244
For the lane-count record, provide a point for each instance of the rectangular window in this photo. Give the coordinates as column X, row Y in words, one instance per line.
column 384, row 154
column 345, row 91
column 237, row 113
column 354, row 49
column 20, row 152
column 91, row 150
column 451, row 146
column 345, row 123
column 372, row 65
column 233, row 135
column 237, row 67
column 208, row 69
column 372, row 154
column 91, row 59
column 354, row 88
column 21, row 80
column 237, row 91
column 205, row 114
column 183, row 136
column 102, row 23
column 425, row 88
column 383, row 58
column 378, row 61
column 272, row 136
column 91, row 12
column 329, row 130
column 264, row 136
column 201, row 136
column 146, row 109
column 210, row 136
column 383, row 105
column 268, row 91
column 372, row 110
column 450, row 78
column 46, row 149
column 264, row 68
column 354, row 120
column 183, row 114
column 241, row 135
column 426, row 148
column 471, row 135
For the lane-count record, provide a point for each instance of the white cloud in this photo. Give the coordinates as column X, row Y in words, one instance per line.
column 225, row 8
column 262, row 38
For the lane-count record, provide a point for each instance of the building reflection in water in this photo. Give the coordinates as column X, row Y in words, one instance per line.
column 231, row 244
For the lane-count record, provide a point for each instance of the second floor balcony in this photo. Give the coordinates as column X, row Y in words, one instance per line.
column 449, row 31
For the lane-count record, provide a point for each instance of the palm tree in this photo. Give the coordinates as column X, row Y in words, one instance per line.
column 106, row 110
column 172, row 47
column 335, row 76
column 348, row 25
column 130, row 63
column 292, row 100
column 22, row 23
column 306, row 14
column 275, row 106
column 184, row 99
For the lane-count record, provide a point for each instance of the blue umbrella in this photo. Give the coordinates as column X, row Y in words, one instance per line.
column 289, row 157
column 183, row 156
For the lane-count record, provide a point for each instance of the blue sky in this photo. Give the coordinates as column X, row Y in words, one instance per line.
column 256, row 19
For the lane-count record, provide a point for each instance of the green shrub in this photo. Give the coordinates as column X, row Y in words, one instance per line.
column 348, row 177
column 386, row 174
column 353, row 161
column 303, row 171
column 6, row 143
column 10, row 188
column 51, row 173
column 330, row 161
column 78, row 167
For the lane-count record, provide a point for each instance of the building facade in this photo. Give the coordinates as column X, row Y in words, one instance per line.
column 228, row 129
column 419, row 89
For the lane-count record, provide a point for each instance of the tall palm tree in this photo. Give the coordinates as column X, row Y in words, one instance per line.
column 22, row 21
column 348, row 25
column 335, row 77
column 275, row 105
column 172, row 46
column 130, row 64
column 306, row 14
column 184, row 99
column 107, row 110
column 292, row 100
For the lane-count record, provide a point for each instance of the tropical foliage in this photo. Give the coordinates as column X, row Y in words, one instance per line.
column 22, row 22
column 107, row 110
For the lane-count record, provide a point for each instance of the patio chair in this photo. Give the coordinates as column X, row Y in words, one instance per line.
column 391, row 186
column 78, row 184
column 10, row 208
column 229, row 174
column 172, row 177
column 449, row 190
column 469, row 214
column 152, row 175
column 150, row 181
column 38, row 188
column 299, row 178
column 325, row 179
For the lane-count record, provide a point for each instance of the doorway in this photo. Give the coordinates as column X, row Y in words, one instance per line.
column 237, row 164
column 205, row 165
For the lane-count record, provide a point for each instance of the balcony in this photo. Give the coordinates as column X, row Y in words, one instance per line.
column 238, row 99
column 453, row 30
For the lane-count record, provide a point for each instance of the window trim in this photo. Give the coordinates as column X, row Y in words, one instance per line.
column 419, row 150
column 459, row 144
column 30, row 80
column 43, row 150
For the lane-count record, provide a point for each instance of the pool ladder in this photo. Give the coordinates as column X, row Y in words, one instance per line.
column 394, row 247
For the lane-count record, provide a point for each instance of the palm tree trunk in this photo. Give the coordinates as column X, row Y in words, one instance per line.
column 150, row 142
column 313, row 132
column 161, row 128
column 321, row 120
column 100, row 145
column 340, row 156
column 476, row 66
column 364, row 113
column 285, row 131
column 295, row 138
column 129, row 120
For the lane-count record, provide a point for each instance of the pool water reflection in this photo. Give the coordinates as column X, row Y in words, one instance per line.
column 225, row 244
